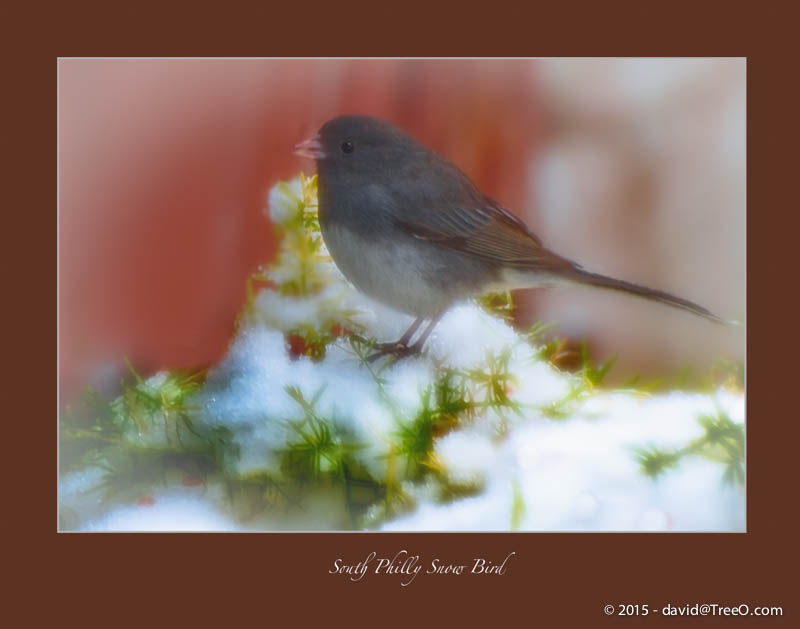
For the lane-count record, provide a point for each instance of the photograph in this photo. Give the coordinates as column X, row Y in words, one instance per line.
column 402, row 295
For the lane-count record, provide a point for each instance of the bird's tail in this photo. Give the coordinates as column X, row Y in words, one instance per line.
column 602, row 281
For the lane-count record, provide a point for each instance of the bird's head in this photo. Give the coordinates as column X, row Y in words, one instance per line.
column 359, row 145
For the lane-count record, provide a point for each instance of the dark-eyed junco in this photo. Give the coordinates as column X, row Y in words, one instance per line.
column 410, row 230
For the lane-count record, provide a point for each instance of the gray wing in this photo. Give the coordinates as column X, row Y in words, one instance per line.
column 486, row 231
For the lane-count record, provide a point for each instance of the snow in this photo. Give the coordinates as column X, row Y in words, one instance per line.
column 577, row 473
column 174, row 512
column 284, row 201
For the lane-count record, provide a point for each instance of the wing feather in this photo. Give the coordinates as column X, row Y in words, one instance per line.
column 488, row 231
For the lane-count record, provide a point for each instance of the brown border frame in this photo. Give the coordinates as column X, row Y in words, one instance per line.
column 555, row 579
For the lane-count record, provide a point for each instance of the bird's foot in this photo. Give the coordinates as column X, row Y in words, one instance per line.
column 396, row 349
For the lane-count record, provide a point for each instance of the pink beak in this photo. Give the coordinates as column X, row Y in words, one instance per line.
column 310, row 148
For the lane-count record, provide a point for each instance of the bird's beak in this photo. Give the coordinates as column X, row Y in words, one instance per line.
column 310, row 148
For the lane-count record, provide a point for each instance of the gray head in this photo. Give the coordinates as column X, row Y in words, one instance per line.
column 359, row 145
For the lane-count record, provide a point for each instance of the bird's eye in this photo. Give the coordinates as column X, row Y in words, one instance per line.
column 347, row 146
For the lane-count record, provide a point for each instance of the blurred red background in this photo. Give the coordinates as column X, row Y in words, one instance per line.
column 165, row 166
column 635, row 168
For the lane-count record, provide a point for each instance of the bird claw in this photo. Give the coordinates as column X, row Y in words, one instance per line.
column 397, row 349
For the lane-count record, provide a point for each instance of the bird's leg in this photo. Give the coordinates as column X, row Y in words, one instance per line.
column 402, row 348
column 404, row 340
column 417, row 347
column 398, row 347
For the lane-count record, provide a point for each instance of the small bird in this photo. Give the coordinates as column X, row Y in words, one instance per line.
column 411, row 230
